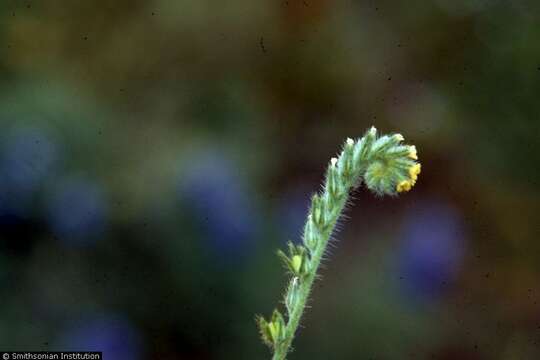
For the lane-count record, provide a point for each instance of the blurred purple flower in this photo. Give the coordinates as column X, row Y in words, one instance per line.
column 431, row 251
column 27, row 158
column 216, row 195
column 77, row 212
column 292, row 212
column 115, row 337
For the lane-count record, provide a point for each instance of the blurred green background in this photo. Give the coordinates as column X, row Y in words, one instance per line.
column 155, row 154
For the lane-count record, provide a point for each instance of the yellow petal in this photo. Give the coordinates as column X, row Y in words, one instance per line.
column 404, row 185
column 414, row 171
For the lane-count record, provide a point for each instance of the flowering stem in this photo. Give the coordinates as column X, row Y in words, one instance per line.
column 387, row 167
column 280, row 352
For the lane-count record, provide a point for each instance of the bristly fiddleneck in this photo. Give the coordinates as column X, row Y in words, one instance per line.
column 387, row 167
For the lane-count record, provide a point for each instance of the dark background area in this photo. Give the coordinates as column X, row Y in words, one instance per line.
column 155, row 154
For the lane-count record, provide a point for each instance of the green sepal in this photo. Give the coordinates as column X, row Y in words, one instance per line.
column 277, row 327
column 367, row 144
column 311, row 235
column 266, row 336
column 273, row 331
column 297, row 262
column 291, row 297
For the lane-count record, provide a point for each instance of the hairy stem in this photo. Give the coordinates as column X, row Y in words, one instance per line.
column 280, row 352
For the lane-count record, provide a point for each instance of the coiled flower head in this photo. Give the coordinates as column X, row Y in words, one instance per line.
column 391, row 166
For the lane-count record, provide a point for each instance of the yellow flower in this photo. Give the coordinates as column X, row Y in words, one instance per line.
column 412, row 152
column 414, row 171
column 404, row 185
